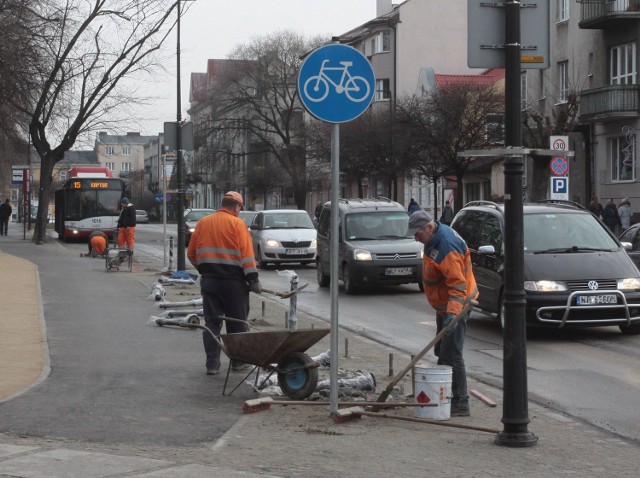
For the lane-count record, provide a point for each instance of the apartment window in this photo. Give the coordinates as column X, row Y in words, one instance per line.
column 623, row 64
column 110, row 151
column 383, row 91
column 494, row 124
column 563, row 10
column 563, row 81
column 622, row 151
column 126, row 150
column 125, row 167
column 111, row 166
column 523, row 91
column 382, row 42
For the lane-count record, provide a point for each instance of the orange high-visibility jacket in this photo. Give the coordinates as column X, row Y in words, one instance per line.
column 221, row 246
column 446, row 272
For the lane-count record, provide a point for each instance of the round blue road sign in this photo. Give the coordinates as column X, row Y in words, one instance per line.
column 336, row 83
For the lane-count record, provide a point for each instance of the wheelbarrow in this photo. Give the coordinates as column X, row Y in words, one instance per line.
column 117, row 258
column 278, row 351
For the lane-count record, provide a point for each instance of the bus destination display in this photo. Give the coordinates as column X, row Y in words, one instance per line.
column 94, row 183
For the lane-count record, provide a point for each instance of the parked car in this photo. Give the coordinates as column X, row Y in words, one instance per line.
column 631, row 240
column 247, row 217
column 191, row 217
column 142, row 217
column 283, row 235
column 374, row 249
column 576, row 272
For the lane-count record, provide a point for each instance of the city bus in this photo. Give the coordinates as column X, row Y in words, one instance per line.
column 88, row 201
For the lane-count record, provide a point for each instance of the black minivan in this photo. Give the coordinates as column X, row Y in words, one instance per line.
column 576, row 272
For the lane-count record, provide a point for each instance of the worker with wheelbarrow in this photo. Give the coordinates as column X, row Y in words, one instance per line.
column 222, row 252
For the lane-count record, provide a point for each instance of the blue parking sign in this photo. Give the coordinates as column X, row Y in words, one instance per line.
column 336, row 83
column 559, row 188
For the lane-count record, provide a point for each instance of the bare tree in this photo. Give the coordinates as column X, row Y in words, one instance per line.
column 452, row 119
column 90, row 48
column 258, row 99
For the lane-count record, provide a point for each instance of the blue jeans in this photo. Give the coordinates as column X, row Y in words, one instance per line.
column 449, row 352
column 222, row 297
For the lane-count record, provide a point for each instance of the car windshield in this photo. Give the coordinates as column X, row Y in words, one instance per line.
column 565, row 232
column 197, row 215
column 376, row 225
column 288, row 220
column 247, row 216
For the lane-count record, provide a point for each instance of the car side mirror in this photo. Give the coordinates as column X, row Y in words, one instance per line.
column 254, row 227
column 486, row 250
column 627, row 246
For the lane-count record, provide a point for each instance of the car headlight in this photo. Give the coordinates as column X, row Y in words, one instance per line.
column 191, row 229
column 544, row 286
column 629, row 284
column 271, row 243
column 362, row 255
column 314, row 244
column 421, row 254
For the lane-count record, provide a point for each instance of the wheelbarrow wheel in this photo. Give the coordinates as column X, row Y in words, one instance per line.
column 296, row 379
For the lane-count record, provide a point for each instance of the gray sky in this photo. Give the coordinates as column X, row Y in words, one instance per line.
column 212, row 28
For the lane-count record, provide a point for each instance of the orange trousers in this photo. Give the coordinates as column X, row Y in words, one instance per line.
column 98, row 244
column 127, row 235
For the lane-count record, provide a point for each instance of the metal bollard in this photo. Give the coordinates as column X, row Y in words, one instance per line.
column 263, row 308
column 170, row 268
column 293, row 304
column 391, row 365
column 286, row 320
column 346, row 347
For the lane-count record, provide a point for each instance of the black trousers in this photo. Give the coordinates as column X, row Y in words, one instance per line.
column 220, row 297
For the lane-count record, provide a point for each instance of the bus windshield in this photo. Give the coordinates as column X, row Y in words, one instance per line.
column 89, row 203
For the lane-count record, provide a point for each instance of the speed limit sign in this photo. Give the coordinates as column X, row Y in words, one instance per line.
column 559, row 143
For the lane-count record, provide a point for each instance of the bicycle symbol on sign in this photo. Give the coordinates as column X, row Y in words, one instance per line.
column 356, row 88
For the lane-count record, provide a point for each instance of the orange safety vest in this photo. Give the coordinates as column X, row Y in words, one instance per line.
column 221, row 246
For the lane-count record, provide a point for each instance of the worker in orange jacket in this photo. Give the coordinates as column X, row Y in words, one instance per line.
column 222, row 251
column 449, row 284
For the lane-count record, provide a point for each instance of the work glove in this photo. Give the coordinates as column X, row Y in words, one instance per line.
column 447, row 320
column 254, row 286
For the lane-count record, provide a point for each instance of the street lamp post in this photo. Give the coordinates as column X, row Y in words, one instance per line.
column 179, row 157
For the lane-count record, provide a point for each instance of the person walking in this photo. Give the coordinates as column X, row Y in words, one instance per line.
column 98, row 241
column 447, row 214
column 611, row 217
column 222, row 252
column 127, row 225
column 413, row 206
column 624, row 211
column 595, row 207
column 449, row 284
column 5, row 216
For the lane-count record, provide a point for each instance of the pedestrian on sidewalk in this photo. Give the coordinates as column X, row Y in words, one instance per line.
column 222, row 251
column 447, row 214
column 413, row 206
column 127, row 225
column 611, row 217
column 5, row 216
column 448, row 284
column 595, row 207
column 624, row 211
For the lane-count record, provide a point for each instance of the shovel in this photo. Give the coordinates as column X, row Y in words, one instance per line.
column 385, row 394
column 284, row 295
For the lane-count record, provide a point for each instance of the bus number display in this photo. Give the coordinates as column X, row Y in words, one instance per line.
column 90, row 184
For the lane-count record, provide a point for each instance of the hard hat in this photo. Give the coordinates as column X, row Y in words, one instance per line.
column 235, row 196
column 124, row 200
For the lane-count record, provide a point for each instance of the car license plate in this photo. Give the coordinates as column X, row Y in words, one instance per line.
column 295, row 252
column 399, row 271
column 597, row 299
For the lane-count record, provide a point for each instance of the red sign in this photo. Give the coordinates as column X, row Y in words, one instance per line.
column 559, row 166
column 422, row 397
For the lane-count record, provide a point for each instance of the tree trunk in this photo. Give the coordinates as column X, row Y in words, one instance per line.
column 46, row 179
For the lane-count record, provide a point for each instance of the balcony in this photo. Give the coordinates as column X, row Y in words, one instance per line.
column 610, row 102
column 605, row 14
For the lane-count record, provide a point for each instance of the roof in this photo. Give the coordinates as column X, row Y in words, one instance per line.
column 129, row 138
column 71, row 157
column 485, row 79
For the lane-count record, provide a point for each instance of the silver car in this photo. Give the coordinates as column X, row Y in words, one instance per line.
column 142, row 217
column 191, row 217
column 282, row 236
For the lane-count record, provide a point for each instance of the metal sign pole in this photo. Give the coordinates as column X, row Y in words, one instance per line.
column 334, row 266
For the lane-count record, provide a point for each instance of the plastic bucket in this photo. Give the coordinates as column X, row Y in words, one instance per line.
column 433, row 385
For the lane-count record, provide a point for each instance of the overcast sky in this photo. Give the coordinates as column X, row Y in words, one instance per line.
column 212, row 28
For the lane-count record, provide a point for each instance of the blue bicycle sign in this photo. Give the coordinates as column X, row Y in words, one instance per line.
column 336, row 83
